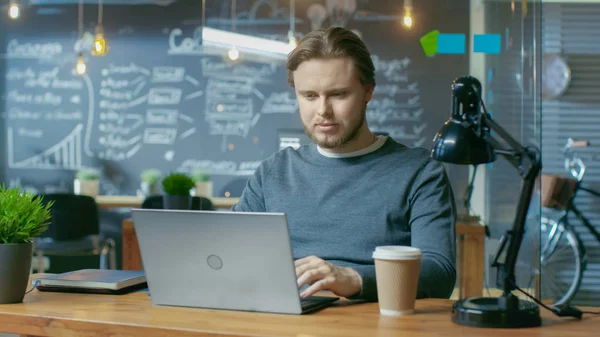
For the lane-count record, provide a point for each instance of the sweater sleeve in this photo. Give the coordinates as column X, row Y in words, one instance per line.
column 432, row 221
column 368, row 292
column 252, row 198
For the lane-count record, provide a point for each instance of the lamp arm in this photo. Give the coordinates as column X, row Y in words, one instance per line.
column 469, row 191
column 517, row 155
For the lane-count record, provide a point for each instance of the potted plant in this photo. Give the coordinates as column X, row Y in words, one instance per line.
column 150, row 178
column 203, row 185
column 177, row 188
column 87, row 182
column 23, row 216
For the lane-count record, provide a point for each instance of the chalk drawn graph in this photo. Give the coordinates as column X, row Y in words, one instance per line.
column 66, row 154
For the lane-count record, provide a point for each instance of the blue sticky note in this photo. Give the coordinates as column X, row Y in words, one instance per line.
column 451, row 44
column 486, row 43
column 490, row 97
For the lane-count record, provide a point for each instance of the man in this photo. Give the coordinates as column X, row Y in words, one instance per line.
column 351, row 190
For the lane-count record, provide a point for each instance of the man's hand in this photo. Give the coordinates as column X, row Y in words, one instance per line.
column 322, row 275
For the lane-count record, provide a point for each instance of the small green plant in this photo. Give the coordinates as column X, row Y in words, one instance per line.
column 177, row 184
column 23, row 216
column 150, row 176
column 200, row 176
column 88, row 174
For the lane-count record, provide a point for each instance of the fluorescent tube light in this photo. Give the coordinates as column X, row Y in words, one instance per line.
column 226, row 39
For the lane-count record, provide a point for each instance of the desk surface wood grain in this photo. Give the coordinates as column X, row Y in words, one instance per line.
column 129, row 201
column 62, row 314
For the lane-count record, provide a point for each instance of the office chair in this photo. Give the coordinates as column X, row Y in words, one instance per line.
column 198, row 203
column 74, row 230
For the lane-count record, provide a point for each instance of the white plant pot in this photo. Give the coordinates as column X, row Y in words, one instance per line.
column 86, row 187
column 149, row 190
column 204, row 189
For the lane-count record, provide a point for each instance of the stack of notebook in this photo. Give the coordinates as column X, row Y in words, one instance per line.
column 98, row 281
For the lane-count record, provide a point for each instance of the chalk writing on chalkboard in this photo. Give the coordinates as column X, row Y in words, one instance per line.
column 29, row 50
column 280, row 102
column 123, row 133
column 397, row 101
column 186, row 45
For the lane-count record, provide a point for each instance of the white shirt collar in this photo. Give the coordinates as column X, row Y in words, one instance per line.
column 373, row 147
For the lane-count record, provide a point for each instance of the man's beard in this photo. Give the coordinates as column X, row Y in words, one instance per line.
column 343, row 138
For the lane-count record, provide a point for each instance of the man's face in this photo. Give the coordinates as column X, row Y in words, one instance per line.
column 332, row 102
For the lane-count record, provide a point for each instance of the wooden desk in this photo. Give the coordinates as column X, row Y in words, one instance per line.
column 62, row 314
column 130, row 257
column 470, row 236
column 470, row 245
column 129, row 201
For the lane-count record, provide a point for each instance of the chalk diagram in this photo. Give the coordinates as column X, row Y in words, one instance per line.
column 396, row 104
column 336, row 12
column 40, row 96
column 232, row 93
column 122, row 133
column 66, row 154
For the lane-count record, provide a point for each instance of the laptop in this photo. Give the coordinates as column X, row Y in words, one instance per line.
column 221, row 260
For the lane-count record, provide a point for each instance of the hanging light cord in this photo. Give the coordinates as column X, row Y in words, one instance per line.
column 80, row 21
column 203, row 13
column 100, row 7
column 233, row 15
column 292, row 16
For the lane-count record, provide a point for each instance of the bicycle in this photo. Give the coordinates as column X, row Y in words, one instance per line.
column 563, row 259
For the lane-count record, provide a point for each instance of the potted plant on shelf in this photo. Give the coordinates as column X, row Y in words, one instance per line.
column 203, row 186
column 23, row 216
column 150, row 178
column 87, row 182
column 176, row 187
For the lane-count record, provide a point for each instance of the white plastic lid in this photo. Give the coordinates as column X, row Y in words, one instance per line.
column 396, row 253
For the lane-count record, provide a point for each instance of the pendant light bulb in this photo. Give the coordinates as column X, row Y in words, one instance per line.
column 233, row 54
column 14, row 11
column 100, row 47
column 80, row 67
column 407, row 20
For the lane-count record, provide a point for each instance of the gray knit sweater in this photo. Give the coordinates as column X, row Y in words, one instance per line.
column 340, row 209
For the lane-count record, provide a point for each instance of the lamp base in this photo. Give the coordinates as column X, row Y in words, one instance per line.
column 488, row 312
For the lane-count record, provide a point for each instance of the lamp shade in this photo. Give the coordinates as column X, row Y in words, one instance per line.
column 457, row 143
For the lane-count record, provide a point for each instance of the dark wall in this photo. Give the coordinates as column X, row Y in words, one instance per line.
column 145, row 106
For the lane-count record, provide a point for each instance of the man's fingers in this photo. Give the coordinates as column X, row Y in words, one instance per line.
column 303, row 260
column 307, row 263
column 309, row 277
column 323, row 284
column 313, row 275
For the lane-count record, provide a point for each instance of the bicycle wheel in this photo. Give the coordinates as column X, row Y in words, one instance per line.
column 562, row 262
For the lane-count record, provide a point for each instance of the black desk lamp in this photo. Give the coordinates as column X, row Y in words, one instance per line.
column 466, row 139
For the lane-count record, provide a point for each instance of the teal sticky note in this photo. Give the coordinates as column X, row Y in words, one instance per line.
column 451, row 43
column 486, row 43
column 490, row 97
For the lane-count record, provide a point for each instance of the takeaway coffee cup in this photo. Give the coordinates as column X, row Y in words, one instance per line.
column 397, row 271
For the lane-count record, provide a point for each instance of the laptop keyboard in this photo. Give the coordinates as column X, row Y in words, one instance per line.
column 315, row 300
column 305, row 302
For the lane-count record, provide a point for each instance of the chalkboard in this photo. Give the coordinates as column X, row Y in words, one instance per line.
column 159, row 100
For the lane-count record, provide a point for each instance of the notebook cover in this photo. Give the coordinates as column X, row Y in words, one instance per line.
column 121, row 291
column 110, row 280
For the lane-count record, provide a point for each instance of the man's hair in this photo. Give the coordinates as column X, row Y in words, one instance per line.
column 330, row 43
